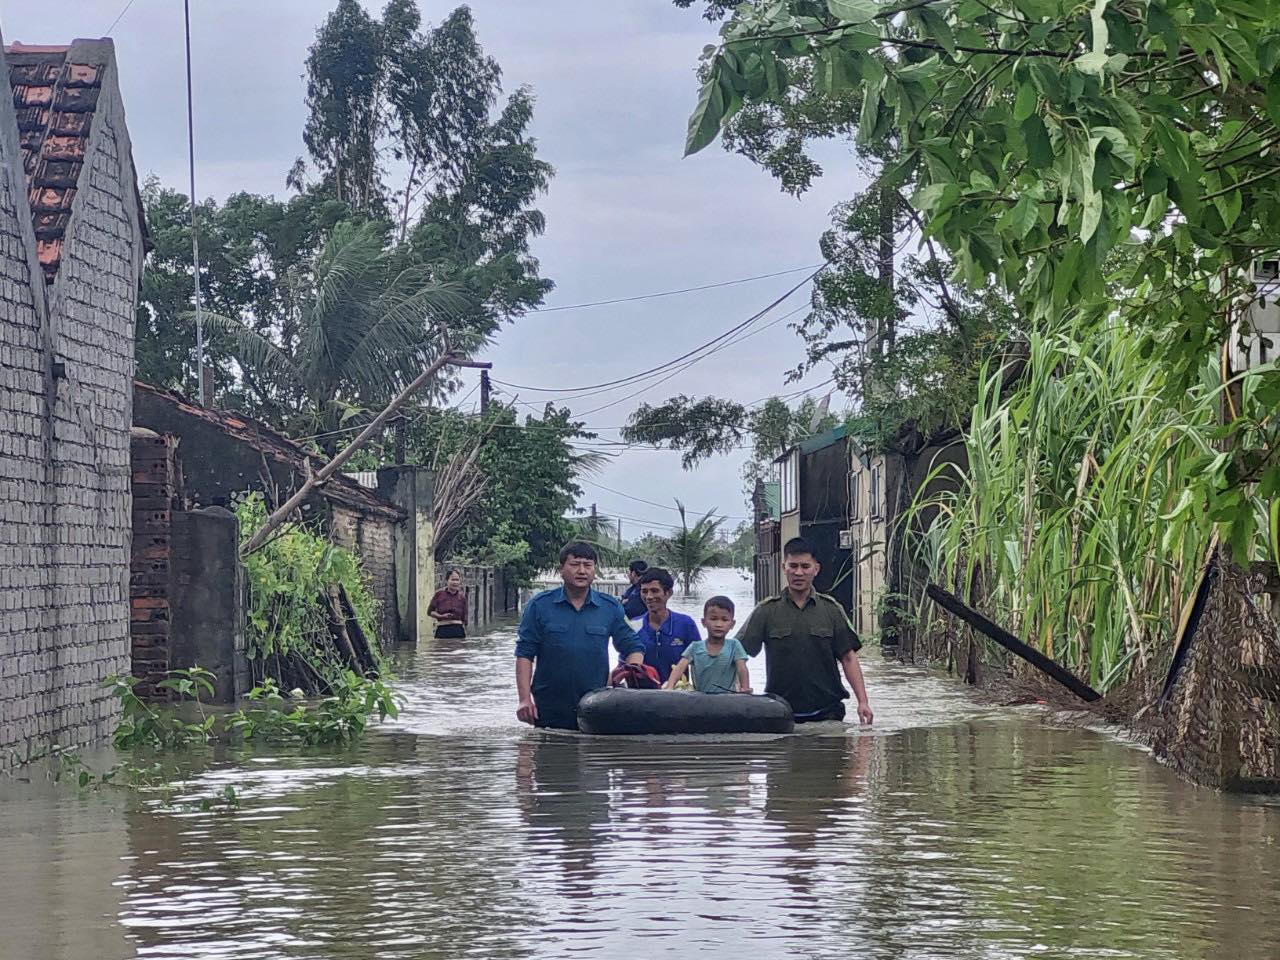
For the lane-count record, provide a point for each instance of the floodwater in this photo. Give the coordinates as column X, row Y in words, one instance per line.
column 948, row 830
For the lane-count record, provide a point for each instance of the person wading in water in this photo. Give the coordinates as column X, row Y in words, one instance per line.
column 449, row 608
column 806, row 634
column 631, row 601
column 562, row 645
column 666, row 634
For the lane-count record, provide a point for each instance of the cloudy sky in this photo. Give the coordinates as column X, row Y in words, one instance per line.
column 626, row 216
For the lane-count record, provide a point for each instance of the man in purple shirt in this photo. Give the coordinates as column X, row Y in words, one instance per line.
column 664, row 633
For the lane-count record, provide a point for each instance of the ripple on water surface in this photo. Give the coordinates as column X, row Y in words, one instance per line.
column 951, row 831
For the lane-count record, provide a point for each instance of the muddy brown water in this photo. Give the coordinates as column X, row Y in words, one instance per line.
column 949, row 830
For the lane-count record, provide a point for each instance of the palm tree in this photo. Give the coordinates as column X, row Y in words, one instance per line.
column 358, row 329
column 691, row 551
column 598, row 530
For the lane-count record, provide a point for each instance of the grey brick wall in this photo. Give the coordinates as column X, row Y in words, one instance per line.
column 65, row 523
column 373, row 540
column 26, row 505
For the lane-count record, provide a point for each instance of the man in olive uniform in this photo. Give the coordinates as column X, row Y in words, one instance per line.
column 807, row 634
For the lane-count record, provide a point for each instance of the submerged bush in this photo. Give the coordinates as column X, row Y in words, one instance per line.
column 288, row 577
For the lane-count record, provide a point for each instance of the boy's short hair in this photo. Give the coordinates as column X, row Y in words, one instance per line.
column 797, row 546
column 637, row 567
column 720, row 603
column 579, row 549
column 659, row 576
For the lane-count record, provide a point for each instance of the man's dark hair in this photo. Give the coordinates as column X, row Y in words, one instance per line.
column 579, row 549
column 798, row 545
column 637, row 567
column 720, row 603
column 659, row 576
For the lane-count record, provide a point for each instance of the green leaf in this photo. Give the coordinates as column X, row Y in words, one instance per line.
column 854, row 11
column 1175, row 146
column 1160, row 24
column 1023, row 217
column 1273, row 98
column 705, row 122
column 1064, row 274
column 938, row 29
column 1039, row 149
column 1092, row 215
column 1229, row 205
column 935, row 197
column 1026, row 103
column 1099, row 27
column 1093, row 63
column 870, row 117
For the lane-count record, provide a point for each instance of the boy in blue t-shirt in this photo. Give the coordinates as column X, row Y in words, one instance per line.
column 719, row 662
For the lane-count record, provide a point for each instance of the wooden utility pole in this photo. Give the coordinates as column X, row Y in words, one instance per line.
column 486, row 390
column 375, row 428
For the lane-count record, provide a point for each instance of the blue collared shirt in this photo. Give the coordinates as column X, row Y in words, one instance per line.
column 570, row 650
column 664, row 647
column 632, row 603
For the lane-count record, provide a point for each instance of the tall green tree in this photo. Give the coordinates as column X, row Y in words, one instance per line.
column 402, row 127
column 903, row 342
column 710, row 426
column 692, row 550
column 248, row 246
column 358, row 329
column 1105, row 161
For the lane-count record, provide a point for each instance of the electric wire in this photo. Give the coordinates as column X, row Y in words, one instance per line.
column 119, row 17
column 671, row 293
column 660, row 368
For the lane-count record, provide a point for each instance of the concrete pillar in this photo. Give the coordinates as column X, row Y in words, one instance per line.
column 207, row 599
column 412, row 488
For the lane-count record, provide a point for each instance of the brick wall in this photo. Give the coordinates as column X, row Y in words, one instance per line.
column 155, row 491
column 65, row 524
column 373, row 540
column 26, row 501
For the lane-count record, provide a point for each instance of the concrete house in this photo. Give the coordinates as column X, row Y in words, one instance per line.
column 72, row 242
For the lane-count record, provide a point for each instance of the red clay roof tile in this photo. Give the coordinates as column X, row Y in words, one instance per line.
column 55, row 103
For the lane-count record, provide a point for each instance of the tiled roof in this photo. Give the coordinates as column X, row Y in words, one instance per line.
column 270, row 442
column 55, row 95
column 54, row 98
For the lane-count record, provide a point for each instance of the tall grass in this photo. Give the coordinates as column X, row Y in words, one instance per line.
column 1082, row 517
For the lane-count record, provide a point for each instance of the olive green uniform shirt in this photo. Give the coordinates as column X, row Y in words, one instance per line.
column 804, row 645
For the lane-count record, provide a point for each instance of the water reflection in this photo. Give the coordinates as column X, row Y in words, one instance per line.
column 949, row 830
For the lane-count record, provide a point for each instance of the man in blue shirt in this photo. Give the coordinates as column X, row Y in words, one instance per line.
column 664, row 633
column 562, row 646
column 631, row 601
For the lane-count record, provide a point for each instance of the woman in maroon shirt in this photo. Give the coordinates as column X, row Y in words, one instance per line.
column 449, row 608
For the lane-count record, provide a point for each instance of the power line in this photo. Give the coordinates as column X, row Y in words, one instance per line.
column 671, row 293
column 119, row 17
column 660, row 368
column 652, row 503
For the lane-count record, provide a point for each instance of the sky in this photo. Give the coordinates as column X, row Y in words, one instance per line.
column 626, row 215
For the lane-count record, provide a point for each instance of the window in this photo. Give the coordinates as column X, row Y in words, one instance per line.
column 855, row 495
column 788, row 481
column 873, row 508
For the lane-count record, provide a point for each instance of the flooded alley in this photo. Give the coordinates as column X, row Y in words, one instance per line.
column 948, row 831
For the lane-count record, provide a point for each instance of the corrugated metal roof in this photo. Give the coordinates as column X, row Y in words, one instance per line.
column 822, row 440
